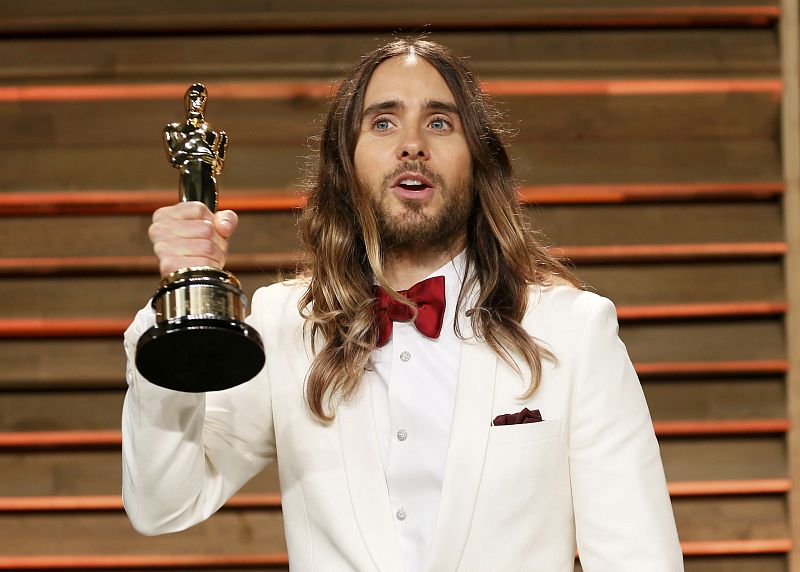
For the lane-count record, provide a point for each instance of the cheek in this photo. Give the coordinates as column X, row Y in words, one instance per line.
column 365, row 164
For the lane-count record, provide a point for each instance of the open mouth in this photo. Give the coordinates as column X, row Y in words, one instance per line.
column 412, row 182
column 412, row 185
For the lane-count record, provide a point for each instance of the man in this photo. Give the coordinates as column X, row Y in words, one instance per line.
column 495, row 423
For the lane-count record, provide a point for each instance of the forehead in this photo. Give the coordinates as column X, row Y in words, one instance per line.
column 409, row 79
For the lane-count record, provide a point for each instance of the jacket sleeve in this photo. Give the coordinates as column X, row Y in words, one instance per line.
column 183, row 454
column 623, row 515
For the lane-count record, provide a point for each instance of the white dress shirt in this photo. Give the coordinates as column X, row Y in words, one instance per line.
column 413, row 394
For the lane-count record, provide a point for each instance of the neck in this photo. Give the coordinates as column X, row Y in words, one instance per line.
column 404, row 267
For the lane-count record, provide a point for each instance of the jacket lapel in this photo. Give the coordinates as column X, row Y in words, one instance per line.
column 466, row 452
column 366, row 480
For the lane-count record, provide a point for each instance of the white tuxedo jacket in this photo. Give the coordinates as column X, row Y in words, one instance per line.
column 520, row 497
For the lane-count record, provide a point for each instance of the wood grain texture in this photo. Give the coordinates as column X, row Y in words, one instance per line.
column 575, row 53
column 273, row 501
column 111, row 438
column 142, row 166
column 73, row 327
column 44, row 17
column 299, row 90
column 598, row 225
column 82, row 472
column 268, row 200
column 672, row 254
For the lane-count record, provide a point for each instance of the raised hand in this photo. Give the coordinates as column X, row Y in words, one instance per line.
column 189, row 234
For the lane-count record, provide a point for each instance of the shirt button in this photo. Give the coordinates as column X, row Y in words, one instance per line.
column 401, row 513
column 405, row 356
column 402, row 435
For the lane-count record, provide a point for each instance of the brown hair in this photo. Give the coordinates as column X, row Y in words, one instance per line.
column 343, row 249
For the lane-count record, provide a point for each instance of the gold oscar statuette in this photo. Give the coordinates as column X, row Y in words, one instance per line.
column 200, row 341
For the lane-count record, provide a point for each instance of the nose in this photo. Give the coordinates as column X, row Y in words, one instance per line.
column 412, row 146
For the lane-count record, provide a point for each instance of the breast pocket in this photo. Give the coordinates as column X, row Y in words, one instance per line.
column 525, row 432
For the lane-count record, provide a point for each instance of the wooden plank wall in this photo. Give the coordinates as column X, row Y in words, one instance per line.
column 647, row 136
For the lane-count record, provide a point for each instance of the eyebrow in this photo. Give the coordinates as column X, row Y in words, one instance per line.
column 397, row 105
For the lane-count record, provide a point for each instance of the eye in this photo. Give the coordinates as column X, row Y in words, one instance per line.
column 440, row 123
column 382, row 124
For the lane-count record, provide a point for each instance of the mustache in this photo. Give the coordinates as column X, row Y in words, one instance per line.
column 413, row 167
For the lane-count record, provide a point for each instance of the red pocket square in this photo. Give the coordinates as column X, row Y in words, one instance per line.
column 524, row 416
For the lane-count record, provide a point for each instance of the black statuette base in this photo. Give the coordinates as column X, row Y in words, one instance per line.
column 196, row 355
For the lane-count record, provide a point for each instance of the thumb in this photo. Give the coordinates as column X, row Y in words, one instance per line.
column 225, row 222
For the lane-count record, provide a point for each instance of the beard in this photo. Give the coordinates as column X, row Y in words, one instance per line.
column 415, row 227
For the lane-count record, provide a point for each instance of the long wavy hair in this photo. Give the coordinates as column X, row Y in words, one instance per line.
column 344, row 253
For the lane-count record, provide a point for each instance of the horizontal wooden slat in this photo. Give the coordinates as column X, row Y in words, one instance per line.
column 112, row 438
column 729, row 487
column 62, row 328
column 626, row 253
column 178, row 561
column 722, row 427
column 664, row 253
column 38, row 18
column 648, row 192
column 89, row 472
column 655, row 370
column 101, row 327
column 140, row 164
column 267, row 200
column 60, row 439
column 575, row 53
column 114, row 502
column 273, row 501
column 700, row 311
column 131, row 202
column 308, row 89
column 142, row 561
column 748, row 546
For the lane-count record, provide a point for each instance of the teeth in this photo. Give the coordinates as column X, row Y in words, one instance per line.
column 411, row 182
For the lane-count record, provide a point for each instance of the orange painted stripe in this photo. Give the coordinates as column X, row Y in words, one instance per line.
column 60, row 439
column 632, row 86
column 691, row 428
column 114, row 502
column 273, row 501
column 729, row 487
column 711, row 368
column 110, row 437
column 261, row 90
column 82, row 265
column 736, row 547
column 700, row 311
column 666, row 252
column 127, row 561
column 62, row 327
column 109, row 327
column 647, row 192
column 177, row 561
column 267, row 200
column 132, row 202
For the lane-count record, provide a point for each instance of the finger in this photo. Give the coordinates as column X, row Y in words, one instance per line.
column 191, row 210
column 226, row 222
column 174, row 228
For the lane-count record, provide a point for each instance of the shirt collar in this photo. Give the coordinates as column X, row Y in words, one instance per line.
column 453, row 272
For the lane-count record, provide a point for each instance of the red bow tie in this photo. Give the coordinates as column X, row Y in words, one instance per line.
column 428, row 295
